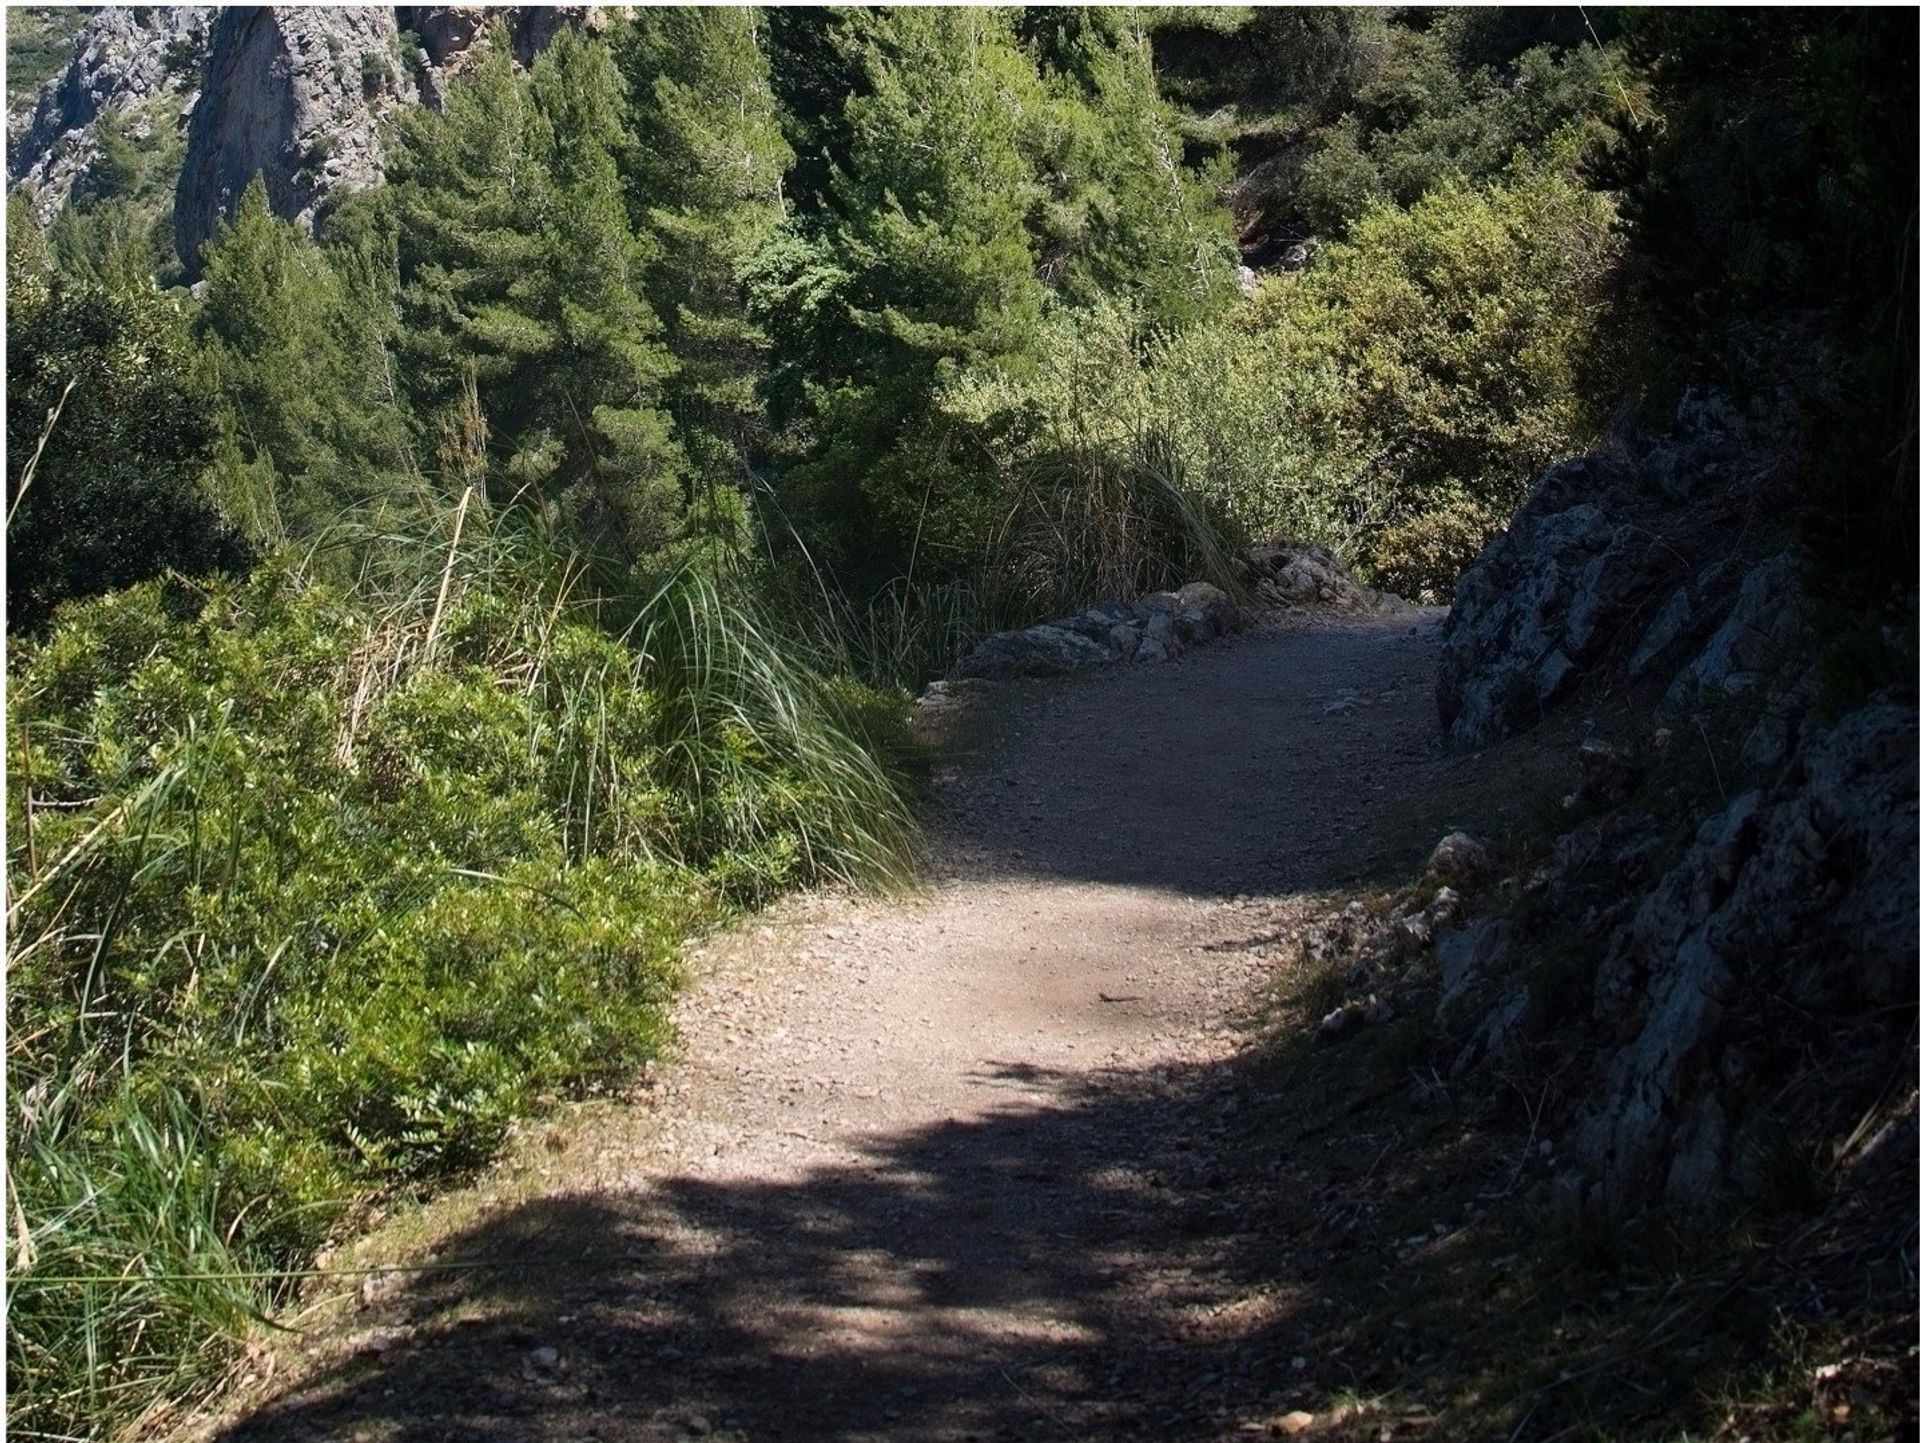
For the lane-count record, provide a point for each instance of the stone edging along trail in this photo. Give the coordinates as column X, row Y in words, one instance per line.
column 936, row 1167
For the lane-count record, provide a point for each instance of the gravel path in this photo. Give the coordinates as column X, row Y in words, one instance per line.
column 940, row 1167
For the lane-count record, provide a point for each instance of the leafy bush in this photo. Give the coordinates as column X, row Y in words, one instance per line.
column 1462, row 330
column 1393, row 402
column 313, row 896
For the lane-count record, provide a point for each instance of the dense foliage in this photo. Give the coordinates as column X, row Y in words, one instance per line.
column 342, row 888
column 424, row 624
column 106, row 441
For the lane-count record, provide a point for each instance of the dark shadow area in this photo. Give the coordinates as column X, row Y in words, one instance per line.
column 851, row 1301
column 1178, row 1254
column 1015, row 1277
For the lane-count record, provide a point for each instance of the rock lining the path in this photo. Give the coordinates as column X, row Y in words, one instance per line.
column 1157, row 627
column 1281, row 574
column 1294, row 574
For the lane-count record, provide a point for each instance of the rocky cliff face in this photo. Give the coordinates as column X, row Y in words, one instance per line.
column 302, row 95
column 1708, row 976
column 294, row 94
column 299, row 95
column 1664, row 563
column 144, row 61
column 1742, row 936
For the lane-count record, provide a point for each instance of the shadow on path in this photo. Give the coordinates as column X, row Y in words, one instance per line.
column 1249, row 766
column 1046, row 1269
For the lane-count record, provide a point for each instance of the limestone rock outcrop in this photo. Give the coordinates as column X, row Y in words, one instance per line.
column 296, row 95
column 1297, row 573
column 1623, row 560
column 1722, row 943
column 302, row 96
column 126, row 58
column 1281, row 574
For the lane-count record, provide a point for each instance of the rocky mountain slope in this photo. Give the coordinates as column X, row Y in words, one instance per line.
column 299, row 95
column 1718, row 943
column 141, row 63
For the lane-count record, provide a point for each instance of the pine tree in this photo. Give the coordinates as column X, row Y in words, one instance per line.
column 918, row 262
column 264, row 323
column 704, row 182
column 520, row 270
column 1126, row 216
column 295, row 354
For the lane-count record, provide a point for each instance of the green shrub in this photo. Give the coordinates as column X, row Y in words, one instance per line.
column 1422, row 557
column 314, row 895
column 1394, row 402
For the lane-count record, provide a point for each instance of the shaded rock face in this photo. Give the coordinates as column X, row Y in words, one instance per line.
column 1702, row 998
column 1753, row 945
column 124, row 58
column 294, row 94
column 1618, row 562
column 1801, row 895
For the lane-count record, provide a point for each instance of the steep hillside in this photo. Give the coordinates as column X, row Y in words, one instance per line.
column 299, row 95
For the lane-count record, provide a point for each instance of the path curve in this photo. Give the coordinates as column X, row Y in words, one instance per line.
column 934, row 1168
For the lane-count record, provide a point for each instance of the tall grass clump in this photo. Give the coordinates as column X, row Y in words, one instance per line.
column 1097, row 525
column 314, row 891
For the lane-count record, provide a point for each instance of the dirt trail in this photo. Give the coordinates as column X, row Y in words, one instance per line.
column 938, row 1168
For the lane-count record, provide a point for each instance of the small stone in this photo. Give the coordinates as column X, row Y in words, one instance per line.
column 1299, row 1364
column 1459, row 858
column 547, row 1358
column 1288, row 1424
column 1340, row 1021
column 697, row 1425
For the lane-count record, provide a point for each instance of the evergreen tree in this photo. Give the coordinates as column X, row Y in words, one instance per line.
column 106, row 439
column 1126, row 216
column 920, row 263
column 704, row 181
column 522, row 276
column 295, row 352
column 815, row 69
